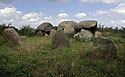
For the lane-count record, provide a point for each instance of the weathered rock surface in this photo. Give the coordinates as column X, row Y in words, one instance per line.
column 52, row 32
column 45, row 27
column 84, row 35
column 67, row 23
column 69, row 30
column 104, row 43
column 97, row 34
column 11, row 35
column 87, row 24
column 67, row 26
column 60, row 40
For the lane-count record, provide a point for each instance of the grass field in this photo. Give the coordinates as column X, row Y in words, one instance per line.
column 34, row 58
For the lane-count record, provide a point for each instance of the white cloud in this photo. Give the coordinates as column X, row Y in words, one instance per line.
column 63, row 15
column 55, row 21
column 48, row 18
column 65, row 19
column 18, row 18
column 31, row 15
column 119, row 9
column 58, row 20
column 109, row 1
column 115, row 17
column 118, row 23
column 80, row 15
column 101, row 12
column 61, row 10
column 9, row 13
column 123, row 21
column 56, row 1
column 34, row 19
column 103, row 1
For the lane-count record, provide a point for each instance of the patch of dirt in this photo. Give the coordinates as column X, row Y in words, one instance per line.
column 94, row 55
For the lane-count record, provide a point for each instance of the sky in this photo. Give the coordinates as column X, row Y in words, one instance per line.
column 111, row 13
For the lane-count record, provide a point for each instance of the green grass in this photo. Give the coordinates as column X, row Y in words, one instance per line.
column 34, row 58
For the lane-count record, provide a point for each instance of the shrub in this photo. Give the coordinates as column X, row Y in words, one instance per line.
column 26, row 30
column 112, row 30
column 2, row 27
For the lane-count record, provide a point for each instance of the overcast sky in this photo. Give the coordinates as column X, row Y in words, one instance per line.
column 35, row 12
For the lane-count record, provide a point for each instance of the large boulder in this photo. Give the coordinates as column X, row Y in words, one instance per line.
column 60, row 40
column 69, row 30
column 87, row 24
column 52, row 32
column 84, row 35
column 45, row 27
column 67, row 26
column 106, row 45
column 10, row 34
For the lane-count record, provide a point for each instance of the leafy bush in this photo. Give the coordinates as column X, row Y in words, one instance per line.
column 2, row 28
column 112, row 30
column 26, row 30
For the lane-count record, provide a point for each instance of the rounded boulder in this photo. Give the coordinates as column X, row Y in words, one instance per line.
column 45, row 27
column 90, row 25
column 67, row 26
column 10, row 34
column 60, row 40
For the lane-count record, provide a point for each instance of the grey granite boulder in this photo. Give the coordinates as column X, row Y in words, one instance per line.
column 90, row 25
column 105, row 44
column 84, row 35
column 60, row 40
column 45, row 27
column 68, row 26
column 10, row 34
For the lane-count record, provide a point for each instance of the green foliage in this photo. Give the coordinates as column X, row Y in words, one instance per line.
column 2, row 28
column 34, row 57
column 26, row 30
column 69, row 35
column 116, row 30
